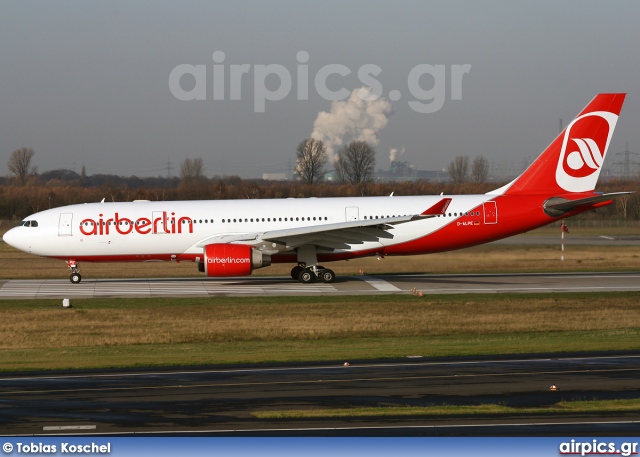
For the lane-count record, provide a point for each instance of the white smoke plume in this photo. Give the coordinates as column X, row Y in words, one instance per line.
column 359, row 118
column 395, row 153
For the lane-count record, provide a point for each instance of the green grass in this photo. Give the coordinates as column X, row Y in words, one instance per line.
column 562, row 407
column 338, row 350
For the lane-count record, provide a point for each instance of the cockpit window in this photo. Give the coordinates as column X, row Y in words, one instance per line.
column 34, row 223
column 28, row 224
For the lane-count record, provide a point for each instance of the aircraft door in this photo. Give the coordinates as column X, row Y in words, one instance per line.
column 159, row 222
column 64, row 224
column 490, row 212
column 351, row 213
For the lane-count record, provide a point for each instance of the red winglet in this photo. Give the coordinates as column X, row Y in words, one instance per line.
column 438, row 208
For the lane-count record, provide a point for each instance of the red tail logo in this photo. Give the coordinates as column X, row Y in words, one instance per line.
column 586, row 160
column 584, row 146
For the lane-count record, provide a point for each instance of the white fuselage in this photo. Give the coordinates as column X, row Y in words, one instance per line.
column 175, row 228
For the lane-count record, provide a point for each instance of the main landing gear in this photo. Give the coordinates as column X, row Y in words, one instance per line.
column 313, row 273
column 75, row 276
column 308, row 269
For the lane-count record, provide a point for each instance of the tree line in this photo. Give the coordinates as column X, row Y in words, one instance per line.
column 27, row 192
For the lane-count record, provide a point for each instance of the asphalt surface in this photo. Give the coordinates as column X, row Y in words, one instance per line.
column 346, row 285
column 219, row 401
column 570, row 239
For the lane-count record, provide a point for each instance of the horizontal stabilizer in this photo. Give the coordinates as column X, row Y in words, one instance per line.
column 557, row 206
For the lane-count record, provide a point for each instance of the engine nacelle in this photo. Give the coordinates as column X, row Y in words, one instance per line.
column 233, row 260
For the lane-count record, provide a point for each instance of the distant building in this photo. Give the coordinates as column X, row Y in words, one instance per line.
column 274, row 176
column 404, row 171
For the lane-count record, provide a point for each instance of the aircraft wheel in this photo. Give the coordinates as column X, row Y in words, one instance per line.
column 306, row 276
column 327, row 276
column 75, row 278
column 295, row 271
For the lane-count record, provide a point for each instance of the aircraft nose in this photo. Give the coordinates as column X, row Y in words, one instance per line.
column 12, row 237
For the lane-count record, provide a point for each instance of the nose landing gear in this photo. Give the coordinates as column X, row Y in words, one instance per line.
column 75, row 276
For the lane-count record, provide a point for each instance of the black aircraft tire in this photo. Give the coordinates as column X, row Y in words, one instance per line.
column 327, row 276
column 306, row 276
column 295, row 271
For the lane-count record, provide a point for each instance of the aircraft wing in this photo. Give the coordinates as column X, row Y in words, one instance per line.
column 330, row 236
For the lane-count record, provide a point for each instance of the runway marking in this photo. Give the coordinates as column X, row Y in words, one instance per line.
column 349, row 428
column 379, row 284
column 587, row 274
column 150, row 288
column 68, row 427
column 315, row 381
column 489, row 289
column 430, row 284
column 320, row 367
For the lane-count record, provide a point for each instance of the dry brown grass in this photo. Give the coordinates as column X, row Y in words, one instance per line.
column 279, row 320
column 488, row 258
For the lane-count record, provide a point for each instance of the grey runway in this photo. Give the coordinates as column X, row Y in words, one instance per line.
column 220, row 400
column 346, row 285
column 571, row 240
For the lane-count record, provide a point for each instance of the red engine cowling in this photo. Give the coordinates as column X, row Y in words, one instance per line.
column 233, row 260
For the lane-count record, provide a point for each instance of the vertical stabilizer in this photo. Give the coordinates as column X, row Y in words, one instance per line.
column 573, row 161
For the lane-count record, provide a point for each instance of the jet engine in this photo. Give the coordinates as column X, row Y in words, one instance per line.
column 222, row 260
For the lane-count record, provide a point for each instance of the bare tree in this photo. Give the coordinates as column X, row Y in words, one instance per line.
column 191, row 169
column 193, row 183
column 340, row 167
column 622, row 204
column 480, row 169
column 459, row 169
column 311, row 155
column 20, row 164
column 355, row 162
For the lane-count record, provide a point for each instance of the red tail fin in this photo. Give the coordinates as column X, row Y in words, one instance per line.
column 572, row 163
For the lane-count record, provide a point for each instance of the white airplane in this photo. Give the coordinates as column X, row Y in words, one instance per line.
column 234, row 237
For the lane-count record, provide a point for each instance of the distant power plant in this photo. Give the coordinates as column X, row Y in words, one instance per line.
column 404, row 171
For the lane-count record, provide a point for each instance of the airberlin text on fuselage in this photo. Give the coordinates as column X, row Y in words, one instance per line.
column 142, row 225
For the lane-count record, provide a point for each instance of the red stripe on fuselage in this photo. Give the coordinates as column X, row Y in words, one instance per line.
column 516, row 214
